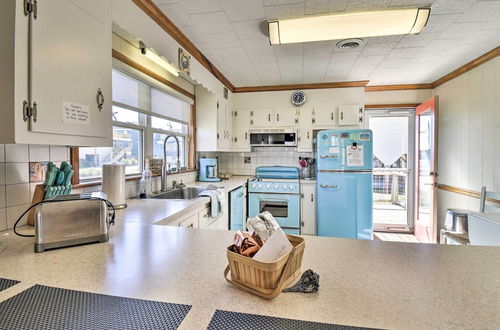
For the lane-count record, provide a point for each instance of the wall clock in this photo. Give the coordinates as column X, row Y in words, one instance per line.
column 298, row 98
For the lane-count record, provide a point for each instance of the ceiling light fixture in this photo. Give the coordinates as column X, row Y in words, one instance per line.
column 160, row 60
column 348, row 25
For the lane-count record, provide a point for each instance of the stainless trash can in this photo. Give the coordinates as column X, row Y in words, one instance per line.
column 457, row 220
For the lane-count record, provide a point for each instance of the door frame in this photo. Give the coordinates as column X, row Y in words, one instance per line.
column 410, row 202
column 431, row 105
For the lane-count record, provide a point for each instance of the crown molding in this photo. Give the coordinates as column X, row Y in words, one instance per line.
column 401, row 87
column 274, row 88
column 155, row 13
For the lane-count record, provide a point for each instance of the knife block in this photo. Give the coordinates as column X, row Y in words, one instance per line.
column 38, row 196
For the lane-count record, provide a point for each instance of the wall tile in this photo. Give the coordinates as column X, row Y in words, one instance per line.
column 16, row 173
column 2, row 174
column 15, row 153
column 38, row 153
column 3, row 219
column 58, row 153
column 13, row 214
column 17, row 194
column 2, row 197
column 2, row 153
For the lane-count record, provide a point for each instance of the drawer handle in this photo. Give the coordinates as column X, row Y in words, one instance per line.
column 329, row 156
column 329, row 186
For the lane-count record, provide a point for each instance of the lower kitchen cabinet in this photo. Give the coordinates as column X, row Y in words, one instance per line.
column 237, row 208
column 190, row 222
column 308, row 207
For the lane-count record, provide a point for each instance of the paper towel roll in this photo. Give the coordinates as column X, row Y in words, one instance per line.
column 113, row 184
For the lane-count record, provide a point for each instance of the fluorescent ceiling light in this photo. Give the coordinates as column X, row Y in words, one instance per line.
column 160, row 60
column 349, row 25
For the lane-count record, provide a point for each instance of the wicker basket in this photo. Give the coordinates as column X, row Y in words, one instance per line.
column 265, row 279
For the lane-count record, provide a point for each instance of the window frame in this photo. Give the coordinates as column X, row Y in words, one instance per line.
column 145, row 126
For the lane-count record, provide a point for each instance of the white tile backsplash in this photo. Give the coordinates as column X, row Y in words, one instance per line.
column 58, row 153
column 17, row 194
column 16, row 173
column 16, row 153
column 15, row 188
column 39, row 153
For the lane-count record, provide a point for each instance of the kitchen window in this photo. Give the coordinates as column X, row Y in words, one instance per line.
column 143, row 116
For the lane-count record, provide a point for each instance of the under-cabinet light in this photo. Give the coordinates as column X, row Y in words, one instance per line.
column 160, row 60
column 348, row 25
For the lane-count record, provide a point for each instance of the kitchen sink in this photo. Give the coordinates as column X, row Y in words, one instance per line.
column 180, row 193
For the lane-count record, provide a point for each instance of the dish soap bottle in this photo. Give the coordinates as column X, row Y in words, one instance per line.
column 145, row 189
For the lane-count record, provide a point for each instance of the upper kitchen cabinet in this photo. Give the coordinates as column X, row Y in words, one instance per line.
column 285, row 117
column 56, row 72
column 241, row 128
column 214, row 122
column 305, row 131
column 262, row 118
column 324, row 117
column 279, row 117
column 350, row 115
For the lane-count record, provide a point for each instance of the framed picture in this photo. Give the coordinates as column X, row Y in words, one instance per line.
column 184, row 61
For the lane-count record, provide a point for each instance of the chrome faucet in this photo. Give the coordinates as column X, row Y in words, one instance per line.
column 164, row 167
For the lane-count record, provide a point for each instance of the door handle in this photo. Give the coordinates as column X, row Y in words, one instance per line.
column 312, row 197
column 308, row 135
column 331, row 115
column 246, row 136
column 329, row 156
column 329, row 186
column 99, row 99
column 240, row 195
column 342, row 116
column 277, row 117
column 269, row 117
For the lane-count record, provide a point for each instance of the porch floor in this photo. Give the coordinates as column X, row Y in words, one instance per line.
column 387, row 213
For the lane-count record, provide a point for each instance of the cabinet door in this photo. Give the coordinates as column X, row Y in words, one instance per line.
column 241, row 130
column 221, row 126
column 285, row 117
column 350, row 115
column 305, row 137
column 308, row 208
column 236, row 217
column 71, row 62
column 324, row 116
column 190, row 222
column 262, row 117
column 229, row 127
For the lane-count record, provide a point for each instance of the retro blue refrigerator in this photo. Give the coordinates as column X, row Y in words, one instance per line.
column 344, row 183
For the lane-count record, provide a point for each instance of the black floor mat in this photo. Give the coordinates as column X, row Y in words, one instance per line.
column 5, row 283
column 235, row 321
column 43, row 307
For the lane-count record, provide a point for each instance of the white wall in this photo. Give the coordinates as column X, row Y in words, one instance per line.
column 398, row 97
column 469, row 135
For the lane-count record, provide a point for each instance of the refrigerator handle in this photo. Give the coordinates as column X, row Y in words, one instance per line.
column 331, row 186
column 329, row 156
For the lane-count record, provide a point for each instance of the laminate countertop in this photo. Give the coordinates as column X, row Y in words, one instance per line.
column 363, row 283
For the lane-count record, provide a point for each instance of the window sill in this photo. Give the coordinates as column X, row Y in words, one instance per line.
column 128, row 178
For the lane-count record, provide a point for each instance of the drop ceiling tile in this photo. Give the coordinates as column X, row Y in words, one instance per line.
column 338, row 74
column 212, row 22
column 259, row 44
column 482, row 11
column 392, row 64
column 232, row 54
column 439, row 22
column 249, row 29
column 417, row 40
column 280, row 2
column 200, row 6
column 361, row 5
column 451, row 6
column 344, row 58
column 318, row 52
column 223, row 40
column 410, row 3
column 164, row 2
column 243, row 10
column 403, row 53
column 377, row 49
column 176, row 13
column 325, row 6
column 289, row 50
column 285, row 11
column 258, row 57
column 369, row 60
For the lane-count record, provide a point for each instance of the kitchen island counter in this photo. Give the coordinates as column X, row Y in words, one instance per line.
column 363, row 283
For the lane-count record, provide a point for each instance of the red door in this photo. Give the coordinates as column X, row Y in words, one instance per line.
column 426, row 171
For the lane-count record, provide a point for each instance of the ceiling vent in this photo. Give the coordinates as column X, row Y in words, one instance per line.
column 350, row 43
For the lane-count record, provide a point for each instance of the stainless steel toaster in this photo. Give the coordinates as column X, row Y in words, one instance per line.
column 71, row 220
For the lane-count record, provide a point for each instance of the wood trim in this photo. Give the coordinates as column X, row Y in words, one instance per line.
column 192, row 138
column 465, row 192
column 467, row 67
column 128, row 178
column 155, row 13
column 274, row 88
column 126, row 60
column 380, row 88
column 74, row 160
column 391, row 106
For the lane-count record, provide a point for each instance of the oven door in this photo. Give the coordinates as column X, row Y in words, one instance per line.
column 284, row 208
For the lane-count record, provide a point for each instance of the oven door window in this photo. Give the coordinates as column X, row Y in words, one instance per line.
column 277, row 209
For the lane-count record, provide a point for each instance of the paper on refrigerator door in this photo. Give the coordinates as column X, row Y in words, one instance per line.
column 355, row 156
column 276, row 246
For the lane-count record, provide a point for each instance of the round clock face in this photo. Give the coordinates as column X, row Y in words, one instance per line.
column 298, row 98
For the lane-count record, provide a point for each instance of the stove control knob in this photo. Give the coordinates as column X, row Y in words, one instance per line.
column 254, row 185
column 284, row 187
column 292, row 187
column 268, row 186
column 260, row 186
column 276, row 186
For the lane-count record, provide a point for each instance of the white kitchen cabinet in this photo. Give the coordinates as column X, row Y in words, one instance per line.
column 324, row 117
column 285, row 117
column 305, row 133
column 70, row 75
column 350, row 115
column 308, row 207
column 241, row 128
column 214, row 123
column 262, row 118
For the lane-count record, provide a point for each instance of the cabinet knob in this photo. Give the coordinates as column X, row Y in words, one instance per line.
column 278, row 117
column 269, row 117
column 99, row 99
